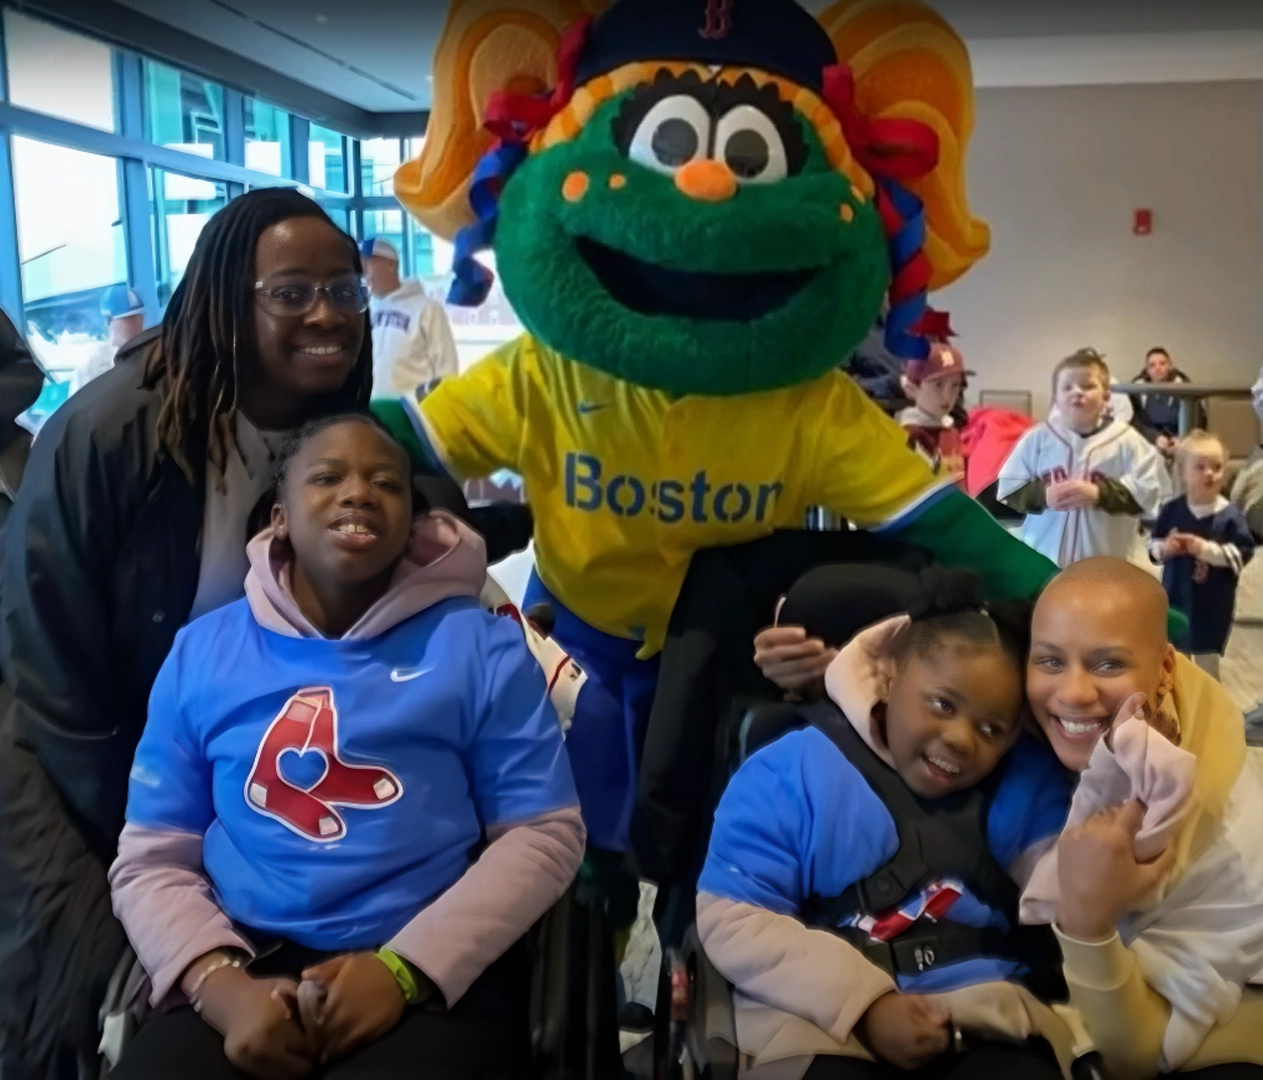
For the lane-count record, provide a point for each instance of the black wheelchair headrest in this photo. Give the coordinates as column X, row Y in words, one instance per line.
column 834, row 603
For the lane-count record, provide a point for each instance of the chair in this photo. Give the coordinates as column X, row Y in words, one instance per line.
column 572, row 1037
column 1236, row 424
column 1018, row 401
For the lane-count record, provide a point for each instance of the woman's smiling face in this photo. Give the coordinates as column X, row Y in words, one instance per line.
column 1095, row 641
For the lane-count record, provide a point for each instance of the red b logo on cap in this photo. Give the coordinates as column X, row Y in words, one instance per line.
column 718, row 20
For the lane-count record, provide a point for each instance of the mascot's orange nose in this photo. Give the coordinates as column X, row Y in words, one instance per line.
column 707, row 180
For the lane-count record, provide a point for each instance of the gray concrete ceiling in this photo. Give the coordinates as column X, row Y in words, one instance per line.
column 376, row 54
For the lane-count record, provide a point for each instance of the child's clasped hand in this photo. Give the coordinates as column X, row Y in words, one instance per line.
column 277, row 1029
column 1072, row 495
column 906, row 1030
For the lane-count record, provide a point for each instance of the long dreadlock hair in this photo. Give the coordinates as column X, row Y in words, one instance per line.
column 208, row 331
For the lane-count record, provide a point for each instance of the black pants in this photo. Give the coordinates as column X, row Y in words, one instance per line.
column 484, row 1036
column 986, row 1061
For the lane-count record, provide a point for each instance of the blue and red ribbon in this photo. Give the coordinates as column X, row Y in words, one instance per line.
column 893, row 151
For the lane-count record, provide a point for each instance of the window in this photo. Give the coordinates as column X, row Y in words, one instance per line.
column 268, row 146
column 326, row 159
column 71, row 247
column 180, row 207
column 183, row 112
column 421, row 254
column 379, row 160
column 59, row 73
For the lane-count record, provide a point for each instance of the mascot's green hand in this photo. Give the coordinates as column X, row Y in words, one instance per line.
column 959, row 532
column 394, row 413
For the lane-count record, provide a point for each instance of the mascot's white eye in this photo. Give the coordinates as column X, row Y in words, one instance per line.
column 746, row 140
column 673, row 133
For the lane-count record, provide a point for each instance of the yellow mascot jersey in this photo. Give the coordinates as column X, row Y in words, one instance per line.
column 626, row 483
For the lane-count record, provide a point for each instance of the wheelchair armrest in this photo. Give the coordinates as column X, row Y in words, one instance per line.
column 713, row 1027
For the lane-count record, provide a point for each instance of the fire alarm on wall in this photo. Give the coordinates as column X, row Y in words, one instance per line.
column 1142, row 225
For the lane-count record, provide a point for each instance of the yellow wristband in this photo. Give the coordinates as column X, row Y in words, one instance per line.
column 402, row 971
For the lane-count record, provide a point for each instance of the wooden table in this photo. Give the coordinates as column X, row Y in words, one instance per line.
column 1189, row 395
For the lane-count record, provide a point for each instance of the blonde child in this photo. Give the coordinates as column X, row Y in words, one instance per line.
column 1083, row 481
column 1203, row 543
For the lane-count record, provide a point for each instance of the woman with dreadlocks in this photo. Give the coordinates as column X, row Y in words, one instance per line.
column 132, row 518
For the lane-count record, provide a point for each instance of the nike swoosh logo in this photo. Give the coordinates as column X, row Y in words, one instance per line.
column 585, row 408
column 408, row 676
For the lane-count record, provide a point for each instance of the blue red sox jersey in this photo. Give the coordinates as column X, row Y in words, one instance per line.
column 340, row 786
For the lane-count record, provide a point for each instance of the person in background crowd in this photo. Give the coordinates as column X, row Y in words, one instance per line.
column 1157, row 416
column 413, row 345
column 124, row 311
column 935, row 386
column 132, row 517
column 1082, row 480
column 1247, row 493
column 1203, row 544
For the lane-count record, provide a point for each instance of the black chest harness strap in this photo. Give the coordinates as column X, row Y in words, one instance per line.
column 938, row 839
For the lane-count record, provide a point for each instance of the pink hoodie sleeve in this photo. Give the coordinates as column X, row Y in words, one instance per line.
column 524, row 871
column 778, row 961
column 164, row 901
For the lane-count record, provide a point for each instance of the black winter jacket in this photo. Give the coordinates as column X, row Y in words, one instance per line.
column 99, row 563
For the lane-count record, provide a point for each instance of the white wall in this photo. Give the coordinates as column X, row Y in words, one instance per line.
column 1057, row 173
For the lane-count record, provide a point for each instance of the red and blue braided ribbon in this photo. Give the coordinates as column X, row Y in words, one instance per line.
column 903, row 215
column 472, row 281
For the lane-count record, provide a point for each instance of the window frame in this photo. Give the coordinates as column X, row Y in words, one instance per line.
column 135, row 157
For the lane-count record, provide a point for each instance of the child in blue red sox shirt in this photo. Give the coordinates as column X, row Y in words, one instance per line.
column 1203, row 543
column 351, row 799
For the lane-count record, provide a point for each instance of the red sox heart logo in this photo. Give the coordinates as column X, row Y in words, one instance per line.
column 298, row 777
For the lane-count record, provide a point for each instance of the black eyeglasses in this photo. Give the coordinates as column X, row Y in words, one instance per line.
column 348, row 297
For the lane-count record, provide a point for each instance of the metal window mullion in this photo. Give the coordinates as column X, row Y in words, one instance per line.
column 142, row 272
column 299, row 134
column 108, row 144
column 234, row 127
column 10, row 259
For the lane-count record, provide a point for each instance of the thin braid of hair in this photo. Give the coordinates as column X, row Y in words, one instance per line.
column 200, row 352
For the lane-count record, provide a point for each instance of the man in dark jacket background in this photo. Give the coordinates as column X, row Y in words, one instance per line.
column 1157, row 416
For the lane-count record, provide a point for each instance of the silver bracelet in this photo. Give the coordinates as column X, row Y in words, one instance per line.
column 222, row 962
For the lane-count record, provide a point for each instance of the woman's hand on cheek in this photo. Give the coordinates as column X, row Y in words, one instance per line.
column 361, row 1002
column 1100, row 879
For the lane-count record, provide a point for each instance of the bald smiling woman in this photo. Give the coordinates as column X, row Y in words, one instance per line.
column 1160, row 985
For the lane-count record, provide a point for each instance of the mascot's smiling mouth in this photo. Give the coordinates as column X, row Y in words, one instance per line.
column 708, row 297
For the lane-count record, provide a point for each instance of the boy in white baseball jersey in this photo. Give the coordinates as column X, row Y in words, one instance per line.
column 1083, row 480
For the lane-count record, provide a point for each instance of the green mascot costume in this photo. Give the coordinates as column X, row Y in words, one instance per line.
column 698, row 209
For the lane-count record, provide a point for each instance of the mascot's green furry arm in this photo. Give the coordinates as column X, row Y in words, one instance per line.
column 699, row 208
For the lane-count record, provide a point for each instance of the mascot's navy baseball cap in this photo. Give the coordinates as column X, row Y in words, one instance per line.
column 777, row 36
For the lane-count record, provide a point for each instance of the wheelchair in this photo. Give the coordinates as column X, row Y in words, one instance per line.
column 573, row 1029
column 695, row 1020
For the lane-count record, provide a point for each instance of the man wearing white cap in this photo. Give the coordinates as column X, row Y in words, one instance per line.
column 413, row 345
column 124, row 311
